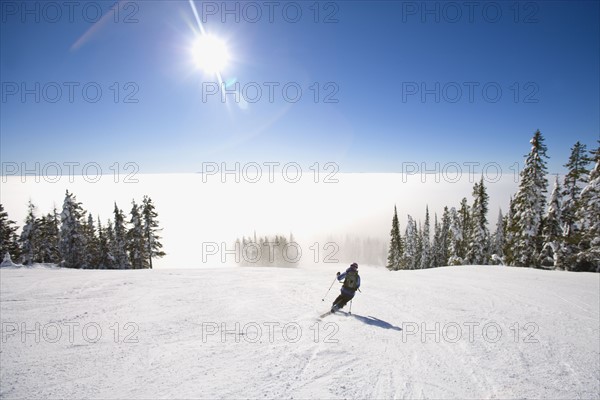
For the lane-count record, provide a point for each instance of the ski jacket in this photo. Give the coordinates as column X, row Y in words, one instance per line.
column 345, row 290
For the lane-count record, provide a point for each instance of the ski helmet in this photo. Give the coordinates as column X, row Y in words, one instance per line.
column 354, row 265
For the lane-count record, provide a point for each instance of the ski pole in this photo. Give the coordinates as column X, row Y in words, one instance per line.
column 350, row 311
column 334, row 279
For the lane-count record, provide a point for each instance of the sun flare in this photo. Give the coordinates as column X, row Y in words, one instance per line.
column 210, row 54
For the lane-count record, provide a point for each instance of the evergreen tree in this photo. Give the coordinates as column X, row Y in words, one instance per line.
column 551, row 254
column 530, row 202
column 110, row 261
column 92, row 258
column 409, row 258
column 42, row 223
column 72, row 241
column 455, row 238
column 395, row 249
column 49, row 238
column 151, row 230
column 8, row 236
column 103, row 261
column 588, row 257
column 136, row 241
column 575, row 179
column 466, row 228
column 510, row 234
column 498, row 239
column 425, row 260
column 444, row 238
column 29, row 239
column 119, row 249
column 419, row 239
column 478, row 248
column 437, row 245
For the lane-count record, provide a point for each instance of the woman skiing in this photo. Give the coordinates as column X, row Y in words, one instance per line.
column 351, row 284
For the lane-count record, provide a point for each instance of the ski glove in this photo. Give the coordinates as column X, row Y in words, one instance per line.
column 338, row 274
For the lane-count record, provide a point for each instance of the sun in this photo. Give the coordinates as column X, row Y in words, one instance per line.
column 210, row 54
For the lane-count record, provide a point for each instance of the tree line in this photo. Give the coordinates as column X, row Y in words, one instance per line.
column 560, row 233
column 267, row 251
column 71, row 239
column 352, row 247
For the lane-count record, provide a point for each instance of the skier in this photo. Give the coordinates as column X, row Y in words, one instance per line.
column 349, row 288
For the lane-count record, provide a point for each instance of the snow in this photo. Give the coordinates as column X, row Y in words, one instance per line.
column 157, row 338
column 8, row 263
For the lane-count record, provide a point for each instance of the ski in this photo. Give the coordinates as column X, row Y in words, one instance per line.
column 337, row 311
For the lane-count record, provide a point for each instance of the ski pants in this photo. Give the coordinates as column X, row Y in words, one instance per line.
column 343, row 299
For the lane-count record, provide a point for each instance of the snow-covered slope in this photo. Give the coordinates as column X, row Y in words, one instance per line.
column 159, row 334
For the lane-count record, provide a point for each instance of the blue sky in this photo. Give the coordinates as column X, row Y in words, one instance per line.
column 371, row 54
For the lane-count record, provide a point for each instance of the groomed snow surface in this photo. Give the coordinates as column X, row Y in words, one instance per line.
column 455, row 332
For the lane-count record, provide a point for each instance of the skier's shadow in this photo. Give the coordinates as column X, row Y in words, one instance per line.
column 376, row 322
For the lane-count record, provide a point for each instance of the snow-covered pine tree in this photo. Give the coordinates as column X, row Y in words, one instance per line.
column 151, row 230
column 510, row 234
column 409, row 258
column 103, row 248
column 119, row 248
column 49, row 238
column 466, row 228
column 530, row 205
column 29, row 239
column 455, row 238
column 588, row 258
column 136, row 242
column 497, row 242
column 437, row 243
column 444, row 238
column 91, row 244
column 425, row 259
column 576, row 178
column 478, row 246
column 395, row 250
column 110, row 262
column 9, row 241
column 72, row 241
column 42, row 223
column 419, row 230
column 552, row 252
